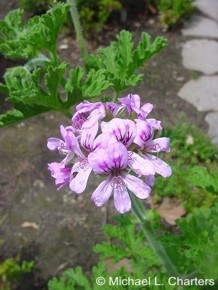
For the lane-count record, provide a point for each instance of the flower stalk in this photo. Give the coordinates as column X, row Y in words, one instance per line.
column 156, row 246
column 78, row 28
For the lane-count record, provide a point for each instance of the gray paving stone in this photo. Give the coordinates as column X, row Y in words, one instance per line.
column 200, row 26
column 201, row 55
column 208, row 7
column 212, row 120
column 202, row 93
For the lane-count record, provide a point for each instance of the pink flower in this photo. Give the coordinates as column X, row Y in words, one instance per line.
column 119, row 149
column 60, row 173
column 113, row 162
column 121, row 130
column 132, row 103
column 87, row 115
column 144, row 139
column 68, row 146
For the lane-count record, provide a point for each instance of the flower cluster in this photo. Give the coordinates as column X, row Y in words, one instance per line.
column 115, row 141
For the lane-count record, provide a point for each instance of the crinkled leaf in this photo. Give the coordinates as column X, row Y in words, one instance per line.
column 79, row 88
column 201, row 177
column 53, row 78
column 21, row 113
column 120, row 60
column 39, row 33
column 24, row 86
column 146, row 49
column 70, row 280
column 10, row 117
column 95, row 84
column 125, row 47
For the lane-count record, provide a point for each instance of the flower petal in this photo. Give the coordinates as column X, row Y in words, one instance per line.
column 131, row 102
column 88, row 135
column 104, row 160
column 144, row 133
column 140, row 165
column 114, row 108
column 158, row 145
column 147, row 108
column 60, row 173
column 137, row 186
column 79, row 182
column 103, row 192
column 155, row 124
column 150, row 180
column 122, row 201
column 122, row 130
column 160, row 166
column 54, row 143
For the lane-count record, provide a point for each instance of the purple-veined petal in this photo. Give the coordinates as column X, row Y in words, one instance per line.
column 60, row 173
column 122, row 201
column 122, row 130
column 144, row 132
column 113, row 157
column 158, row 145
column 114, row 108
column 88, row 136
column 131, row 102
column 103, row 192
column 160, row 166
column 79, row 182
column 71, row 144
column 54, row 143
column 137, row 186
column 85, row 111
column 140, row 165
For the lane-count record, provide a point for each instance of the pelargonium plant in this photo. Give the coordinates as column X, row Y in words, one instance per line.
column 115, row 141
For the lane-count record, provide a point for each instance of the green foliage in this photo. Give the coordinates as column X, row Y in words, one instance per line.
column 70, row 280
column 38, row 34
column 126, row 241
column 45, row 83
column 29, row 95
column 192, row 250
column 205, row 178
column 198, row 241
column 95, row 84
column 193, row 160
column 120, row 60
column 11, row 271
column 174, row 11
column 190, row 146
column 95, row 13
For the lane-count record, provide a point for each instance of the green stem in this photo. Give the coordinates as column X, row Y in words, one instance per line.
column 79, row 34
column 156, row 246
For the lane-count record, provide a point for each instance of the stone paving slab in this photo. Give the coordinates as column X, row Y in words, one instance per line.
column 202, row 93
column 200, row 26
column 212, row 120
column 201, row 55
column 208, row 7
